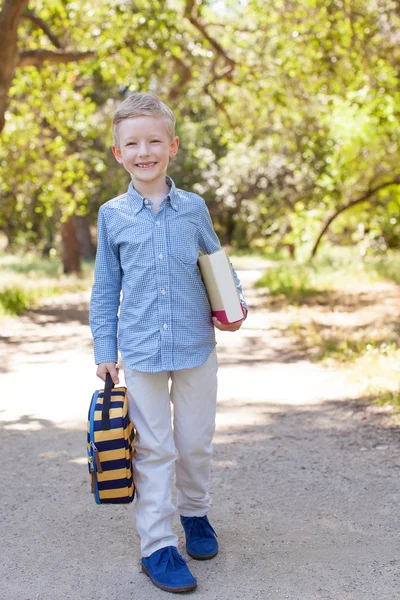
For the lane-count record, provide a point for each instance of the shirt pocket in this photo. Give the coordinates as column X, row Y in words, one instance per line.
column 184, row 241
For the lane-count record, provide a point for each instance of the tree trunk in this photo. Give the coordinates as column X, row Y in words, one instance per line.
column 70, row 250
column 88, row 249
column 10, row 16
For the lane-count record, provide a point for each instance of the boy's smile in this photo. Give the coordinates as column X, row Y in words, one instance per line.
column 146, row 165
column 145, row 148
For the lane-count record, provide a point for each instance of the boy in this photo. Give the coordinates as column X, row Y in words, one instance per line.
column 148, row 245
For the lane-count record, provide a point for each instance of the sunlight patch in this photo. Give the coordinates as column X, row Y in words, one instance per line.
column 31, row 426
column 81, row 460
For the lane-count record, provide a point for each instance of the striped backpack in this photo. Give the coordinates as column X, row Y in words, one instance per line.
column 110, row 443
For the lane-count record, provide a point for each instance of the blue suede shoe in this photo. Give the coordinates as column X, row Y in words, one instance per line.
column 201, row 542
column 168, row 570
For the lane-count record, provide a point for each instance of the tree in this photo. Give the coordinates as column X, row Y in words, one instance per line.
column 286, row 112
column 11, row 56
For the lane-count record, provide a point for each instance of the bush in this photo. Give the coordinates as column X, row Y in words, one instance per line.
column 15, row 300
column 388, row 266
column 292, row 280
column 333, row 269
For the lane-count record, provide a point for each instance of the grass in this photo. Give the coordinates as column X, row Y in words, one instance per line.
column 15, row 301
column 387, row 267
column 341, row 312
column 377, row 371
column 339, row 345
column 25, row 279
column 333, row 269
column 294, row 281
column 30, row 265
column 389, row 399
column 364, row 357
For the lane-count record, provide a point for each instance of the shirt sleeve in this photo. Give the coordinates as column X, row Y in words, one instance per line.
column 105, row 297
column 209, row 243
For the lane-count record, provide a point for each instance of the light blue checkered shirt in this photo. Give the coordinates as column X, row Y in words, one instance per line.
column 164, row 320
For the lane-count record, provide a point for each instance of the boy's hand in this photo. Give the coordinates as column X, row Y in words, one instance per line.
column 109, row 367
column 227, row 326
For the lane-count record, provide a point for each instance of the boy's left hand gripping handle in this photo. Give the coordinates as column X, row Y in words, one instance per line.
column 105, row 415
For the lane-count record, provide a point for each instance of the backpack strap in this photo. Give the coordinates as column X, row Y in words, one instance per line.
column 105, row 415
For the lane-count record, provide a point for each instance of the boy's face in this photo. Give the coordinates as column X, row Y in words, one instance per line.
column 145, row 148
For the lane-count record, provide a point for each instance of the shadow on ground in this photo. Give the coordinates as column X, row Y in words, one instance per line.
column 303, row 503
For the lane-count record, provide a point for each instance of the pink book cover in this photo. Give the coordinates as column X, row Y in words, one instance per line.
column 223, row 294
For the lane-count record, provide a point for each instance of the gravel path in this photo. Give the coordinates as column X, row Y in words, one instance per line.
column 305, row 479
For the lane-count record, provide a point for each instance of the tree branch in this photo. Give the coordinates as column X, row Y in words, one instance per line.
column 185, row 75
column 192, row 15
column 350, row 204
column 41, row 24
column 240, row 29
column 225, row 74
column 36, row 58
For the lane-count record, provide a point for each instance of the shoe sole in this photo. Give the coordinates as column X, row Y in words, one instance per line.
column 201, row 556
column 165, row 588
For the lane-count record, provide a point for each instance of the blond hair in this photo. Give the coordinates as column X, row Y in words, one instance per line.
column 142, row 104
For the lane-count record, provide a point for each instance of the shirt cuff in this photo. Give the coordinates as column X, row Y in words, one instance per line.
column 105, row 350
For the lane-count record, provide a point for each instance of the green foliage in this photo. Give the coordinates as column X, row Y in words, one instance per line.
column 391, row 398
column 286, row 112
column 26, row 278
column 348, row 350
column 388, row 267
column 15, row 300
column 295, row 281
column 334, row 269
column 377, row 370
column 31, row 265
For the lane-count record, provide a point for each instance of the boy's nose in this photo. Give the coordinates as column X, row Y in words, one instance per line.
column 143, row 151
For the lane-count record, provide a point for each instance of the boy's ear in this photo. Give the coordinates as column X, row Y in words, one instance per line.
column 174, row 147
column 117, row 153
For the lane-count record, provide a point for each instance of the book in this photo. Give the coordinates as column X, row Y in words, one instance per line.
column 216, row 271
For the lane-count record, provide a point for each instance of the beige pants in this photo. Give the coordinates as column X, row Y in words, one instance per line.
column 189, row 443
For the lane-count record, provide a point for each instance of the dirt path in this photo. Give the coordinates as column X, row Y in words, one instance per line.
column 305, row 485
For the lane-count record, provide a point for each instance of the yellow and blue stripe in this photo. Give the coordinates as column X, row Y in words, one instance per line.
column 110, row 451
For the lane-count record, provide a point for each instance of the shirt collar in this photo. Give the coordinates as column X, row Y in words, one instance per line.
column 139, row 200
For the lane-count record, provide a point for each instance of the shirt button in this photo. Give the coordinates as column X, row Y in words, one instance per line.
column 158, row 223
column 163, row 292
column 165, row 326
column 160, row 256
column 174, row 206
column 146, row 201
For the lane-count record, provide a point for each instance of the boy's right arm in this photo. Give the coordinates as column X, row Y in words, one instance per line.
column 104, row 302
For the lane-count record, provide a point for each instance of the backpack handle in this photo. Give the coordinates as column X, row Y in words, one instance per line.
column 105, row 415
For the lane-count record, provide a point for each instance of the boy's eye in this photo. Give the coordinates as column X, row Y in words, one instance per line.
column 155, row 141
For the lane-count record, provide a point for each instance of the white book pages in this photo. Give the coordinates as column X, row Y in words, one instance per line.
column 221, row 288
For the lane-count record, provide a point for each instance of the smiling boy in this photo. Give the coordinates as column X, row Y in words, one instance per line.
column 144, row 149
column 148, row 245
